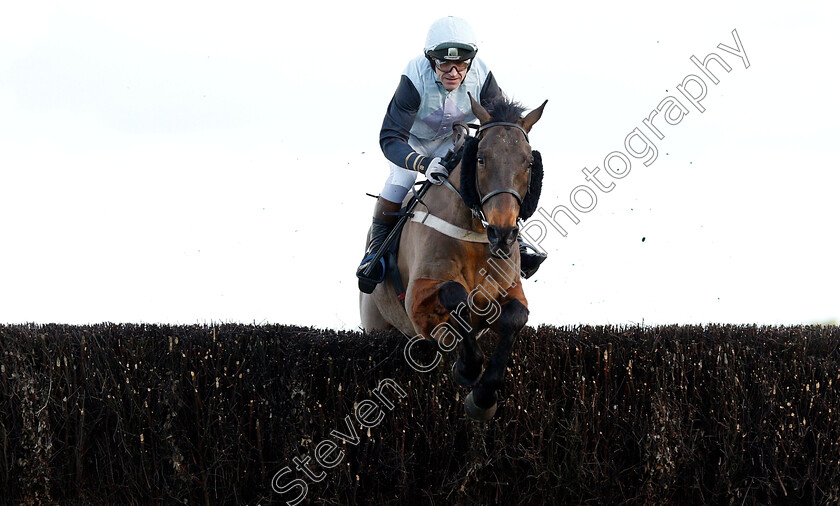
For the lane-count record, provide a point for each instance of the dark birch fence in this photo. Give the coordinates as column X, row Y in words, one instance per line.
column 237, row 414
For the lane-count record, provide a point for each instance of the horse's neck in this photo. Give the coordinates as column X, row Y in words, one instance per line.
column 448, row 206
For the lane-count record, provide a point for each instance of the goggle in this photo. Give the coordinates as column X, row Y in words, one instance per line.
column 447, row 66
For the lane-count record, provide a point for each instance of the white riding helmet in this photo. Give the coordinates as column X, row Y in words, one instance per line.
column 452, row 39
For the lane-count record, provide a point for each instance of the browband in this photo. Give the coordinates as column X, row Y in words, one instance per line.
column 501, row 123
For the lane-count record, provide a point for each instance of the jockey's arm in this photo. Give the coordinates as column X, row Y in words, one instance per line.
column 393, row 138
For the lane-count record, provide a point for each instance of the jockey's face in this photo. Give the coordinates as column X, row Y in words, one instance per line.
column 453, row 77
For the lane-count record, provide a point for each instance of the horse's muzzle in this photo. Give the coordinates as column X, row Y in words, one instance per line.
column 501, row 239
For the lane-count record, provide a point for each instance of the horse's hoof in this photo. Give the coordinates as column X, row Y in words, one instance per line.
column 476, row 413
column 461, row 379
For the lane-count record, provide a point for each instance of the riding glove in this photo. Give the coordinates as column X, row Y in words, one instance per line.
column 436, row 172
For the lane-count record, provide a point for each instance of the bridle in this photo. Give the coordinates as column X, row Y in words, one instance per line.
column 493, row 193
column 463, row 133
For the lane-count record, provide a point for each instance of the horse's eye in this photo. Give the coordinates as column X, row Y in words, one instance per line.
column 480, row 160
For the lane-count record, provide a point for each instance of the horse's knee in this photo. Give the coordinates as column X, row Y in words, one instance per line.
column 514, row 316
column 452, row 294
column 433, row 302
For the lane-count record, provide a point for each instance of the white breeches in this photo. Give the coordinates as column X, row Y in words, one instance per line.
column 400, row 180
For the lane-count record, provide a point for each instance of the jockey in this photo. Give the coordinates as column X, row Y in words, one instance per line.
column 417, row 129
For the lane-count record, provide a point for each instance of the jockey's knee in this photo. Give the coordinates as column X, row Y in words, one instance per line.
column 393, row 193
column 398, row 184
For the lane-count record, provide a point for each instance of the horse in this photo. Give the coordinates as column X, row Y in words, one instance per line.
column 459, row 262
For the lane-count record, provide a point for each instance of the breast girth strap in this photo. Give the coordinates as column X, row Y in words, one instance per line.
column 448, row 229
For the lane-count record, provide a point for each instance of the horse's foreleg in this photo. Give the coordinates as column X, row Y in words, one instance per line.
column 440, row 311
column 480, row 404
column 466, row 369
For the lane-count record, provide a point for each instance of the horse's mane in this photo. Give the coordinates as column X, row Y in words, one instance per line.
column 503, row 109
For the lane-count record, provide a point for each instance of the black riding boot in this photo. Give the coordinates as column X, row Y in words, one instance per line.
column 379, row 229
column 531, row 258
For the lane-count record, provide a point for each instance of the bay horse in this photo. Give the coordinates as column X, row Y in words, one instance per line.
column 459, row 261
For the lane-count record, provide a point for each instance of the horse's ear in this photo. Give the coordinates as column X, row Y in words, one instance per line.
column 479, row 111
column 528, row 121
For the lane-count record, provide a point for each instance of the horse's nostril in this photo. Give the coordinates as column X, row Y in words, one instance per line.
column 512, row 235
column 493, row 234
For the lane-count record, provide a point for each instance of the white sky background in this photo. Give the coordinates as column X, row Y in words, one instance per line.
column 183, row 162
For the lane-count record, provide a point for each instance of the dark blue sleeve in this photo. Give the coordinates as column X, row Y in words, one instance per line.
column 393, row 138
